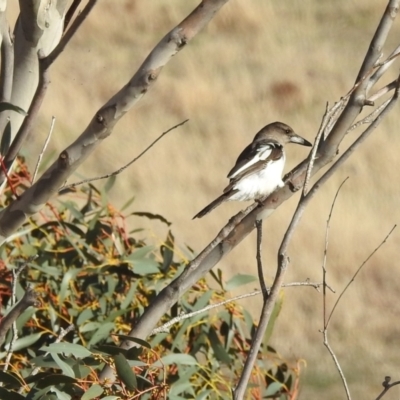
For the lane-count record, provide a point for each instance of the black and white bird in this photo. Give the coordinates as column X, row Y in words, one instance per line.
column 258, row 170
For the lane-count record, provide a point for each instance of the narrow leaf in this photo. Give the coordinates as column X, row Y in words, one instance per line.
column 124, row 372
column 68, row 348
column 66, row 369
column 141, row 342
column 4, row 106
column 184, row 359
column 152, row 216
column 239, row 280
column 5, row 139
column 94, row 391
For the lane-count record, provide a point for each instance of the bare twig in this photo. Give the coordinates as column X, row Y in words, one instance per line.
column 337, row 364
column 260, row 271
column 322, row 132
column 357, row 272
column 387, row 385
column 324, row 270
column 28, row 122
column 370, row 117
column 46, row 62
column 118, row 171
column 70, row 13
column 29, row 299
column 179, row 318
column 382, row 91
column 324, row 273
column 45, row 144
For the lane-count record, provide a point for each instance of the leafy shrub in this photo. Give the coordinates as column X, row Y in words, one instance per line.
column 93, row 278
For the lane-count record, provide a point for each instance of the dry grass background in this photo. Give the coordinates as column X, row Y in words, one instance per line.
column 257, row 62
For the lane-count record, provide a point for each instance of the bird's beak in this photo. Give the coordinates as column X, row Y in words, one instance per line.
column 299, row 140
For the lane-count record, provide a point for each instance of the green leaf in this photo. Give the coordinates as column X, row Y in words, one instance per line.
column 90, row 326
column 140, row 253
column 272, row 389
column 102, row 333
column 218, row 348
column 217, row 277
column 124, row 372
column 5, row 139
column 139, row 341
column 111, row 398
column 67, row 348
column 10, row 380
column 55, row 379
column 110, row 349
column 274, row 315
column 110, row 183
column 145, row 267
column 133, row 353
column 68, row 277
column 128, row 203
column 203, row 300
column 184, row 359
column 127, row 302
column 8, row 395
column 25, row 341
column 4, row 106
column 85, row 315
column 81, row 371
column 239, row 280
column 94, row 391
column 68, row 371
column 167, row 251
column 152, row 216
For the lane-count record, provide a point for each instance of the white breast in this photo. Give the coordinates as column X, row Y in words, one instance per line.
column 260, row 184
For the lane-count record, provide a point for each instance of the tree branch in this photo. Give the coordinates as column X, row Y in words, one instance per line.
column 102, row 124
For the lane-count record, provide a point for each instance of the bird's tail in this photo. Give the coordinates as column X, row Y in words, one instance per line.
column 212, row 205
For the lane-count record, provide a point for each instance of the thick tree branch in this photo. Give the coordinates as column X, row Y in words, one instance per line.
column 105, row 119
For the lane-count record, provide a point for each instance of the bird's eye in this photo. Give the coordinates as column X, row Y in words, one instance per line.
column 287, row 131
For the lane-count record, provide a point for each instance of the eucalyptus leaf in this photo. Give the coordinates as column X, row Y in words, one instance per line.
column 239, row 280
column 4, row 106
column 94, row 391
column 124, row 372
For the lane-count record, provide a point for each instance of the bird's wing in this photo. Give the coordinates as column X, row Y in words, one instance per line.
column 246, row 166
column 255, row 156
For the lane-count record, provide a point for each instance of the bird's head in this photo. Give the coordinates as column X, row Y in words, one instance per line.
column 281, row 133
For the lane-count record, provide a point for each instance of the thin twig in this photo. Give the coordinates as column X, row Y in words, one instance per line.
column 16, row 273
column 26, row 127
column 357, row 272
column 382, row 91
column 322, row 132
column 118, row 171
column 370, row 117
column 260, row 271
column 179, row 318
column 337, row 364
column 46, row 62
column 324, row 273
column 70, row 13
column 324, row 270
column 46, row 142
column 387, row 385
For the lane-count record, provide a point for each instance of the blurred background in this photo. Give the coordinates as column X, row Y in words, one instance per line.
column 255, row 63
